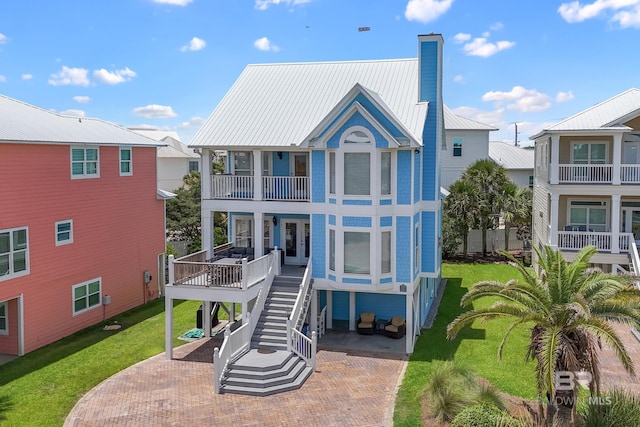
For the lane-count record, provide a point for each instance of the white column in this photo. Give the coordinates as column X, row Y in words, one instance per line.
column 207, row 225
column 615, row 222
column 553, row 220
column 258, row 237
column 168, row 327
column 352, row 311
column 554, row 161
column 329, row 309
column 409, row 336
column 206, row 318
column 205, row 174
column 257, row 175
column 314, row 310
column 617, row 158
column 206, row 216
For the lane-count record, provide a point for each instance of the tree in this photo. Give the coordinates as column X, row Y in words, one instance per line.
column 489, row 178
column 183, row 211
column 571, row 308
column 516, row 205
column 460, row 209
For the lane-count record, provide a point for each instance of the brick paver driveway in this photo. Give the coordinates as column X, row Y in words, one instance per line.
column 346, row 390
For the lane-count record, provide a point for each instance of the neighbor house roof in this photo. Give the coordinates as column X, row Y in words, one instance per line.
column 176, row 149
column 281, row 104
column 452, row 121
column 607, row 115
column 24, row 123
column 511, row 157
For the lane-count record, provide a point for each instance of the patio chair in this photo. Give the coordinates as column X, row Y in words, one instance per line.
column 366, row 323
column 396, row 327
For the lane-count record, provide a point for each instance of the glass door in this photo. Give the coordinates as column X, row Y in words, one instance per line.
column 296, row 240
column 630, row 222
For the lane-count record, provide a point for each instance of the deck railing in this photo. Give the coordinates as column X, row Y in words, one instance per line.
column 630, row 174
column 585, row 173
column 288, row 188
column 576, row 240
column 232, row 187
column 235, row 343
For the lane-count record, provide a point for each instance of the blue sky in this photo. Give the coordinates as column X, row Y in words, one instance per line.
column 167, row 63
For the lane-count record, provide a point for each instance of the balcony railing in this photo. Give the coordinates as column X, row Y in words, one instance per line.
column 277, row 188
column 630, row 174
column 576, row 240
column 585, row 173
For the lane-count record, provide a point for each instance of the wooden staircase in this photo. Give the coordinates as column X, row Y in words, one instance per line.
column 268, row 368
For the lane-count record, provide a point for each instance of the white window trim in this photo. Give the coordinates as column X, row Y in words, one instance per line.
column 28, row 263
column 85, row 175
column 56, row 232
column 603, row 205
column 268, row 166
column 453, row 145
column 189, row 170
column 606, row 151
column 416, row 248
column 130, row 161
column 73, row 296
column 5, row 330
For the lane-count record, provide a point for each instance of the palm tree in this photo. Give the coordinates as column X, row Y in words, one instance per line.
column 461, row 208
column 516, row 208
column 571, row 308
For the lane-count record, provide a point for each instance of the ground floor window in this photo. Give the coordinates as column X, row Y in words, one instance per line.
column 4, row 327
column 357, row 252
column 243, row 233
column 87, row 295
column 14, row 253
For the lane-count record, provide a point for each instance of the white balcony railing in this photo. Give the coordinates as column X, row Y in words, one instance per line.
column 576, row 240
column 630, row 174
column 585, row 173
column 285, row 188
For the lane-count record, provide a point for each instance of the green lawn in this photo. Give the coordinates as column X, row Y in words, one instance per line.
column 475, row 347
column 40, row 388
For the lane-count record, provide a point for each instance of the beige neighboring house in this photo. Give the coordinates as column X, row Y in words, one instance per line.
column 517, row 161
column 587, row 183
column 175, row 160
column 465, row 142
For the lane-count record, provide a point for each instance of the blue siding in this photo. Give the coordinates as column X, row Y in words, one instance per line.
column 386, row 221
column 404, row 177
column 403, row 249
column 386, row 280
column 357, row 202
column 318, row 246
column 317, row 180
column 429, row 241
column 280, row 166
column 340, row 305
column 383, row 305
column 356, row 281
column 332, row 201
column 332, row 219
column 332, row 277
column 429, row 92
column 416, row 178
column 386, row 202
column 356, row 221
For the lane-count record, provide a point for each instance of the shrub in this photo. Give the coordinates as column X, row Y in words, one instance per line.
column 614, row 409
column 478, row 415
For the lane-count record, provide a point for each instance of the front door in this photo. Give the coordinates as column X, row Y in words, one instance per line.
column 299, row 168
column 296, row 240
column 631, row 153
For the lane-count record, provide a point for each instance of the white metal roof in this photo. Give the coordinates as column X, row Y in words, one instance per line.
column 25, row 123
column 275, row 105
column 610, row 114
column 176, row 149
column 154, row 133
column 452, row 121
column 511, row 157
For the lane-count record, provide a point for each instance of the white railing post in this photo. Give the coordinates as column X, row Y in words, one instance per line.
column 278, row 261
column 289, row 337
column 314, row 346
column 245, row 274
column 216, row 370
column 171, row 271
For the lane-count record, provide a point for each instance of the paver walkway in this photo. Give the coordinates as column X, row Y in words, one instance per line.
column 612, row 373
column 346, row 390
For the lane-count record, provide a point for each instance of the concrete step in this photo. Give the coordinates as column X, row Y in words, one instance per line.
column 270, row 331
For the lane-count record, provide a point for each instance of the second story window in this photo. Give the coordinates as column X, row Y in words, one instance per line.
column 357, row 174
column 457, row 147
column 242, row 163
column 589, row 153
column 84, row 162
column 332, row 173
column 64, row 232
column 385, row 173
column 193, row 166
column 126, row 163
column 14, row 253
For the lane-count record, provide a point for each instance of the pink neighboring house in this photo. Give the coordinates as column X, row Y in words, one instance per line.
column 82, row 228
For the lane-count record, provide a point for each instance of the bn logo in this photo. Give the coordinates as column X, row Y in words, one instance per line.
column 566, row 380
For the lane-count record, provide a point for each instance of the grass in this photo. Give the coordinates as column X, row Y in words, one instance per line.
column 475, row 347
column 40, row 388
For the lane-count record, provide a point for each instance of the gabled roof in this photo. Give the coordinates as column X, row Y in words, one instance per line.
column 607, row 115
column 176, row 149
column 277, row 105
column 155, row 133
column 452, row 121
column 511, row 157
column 24, row 123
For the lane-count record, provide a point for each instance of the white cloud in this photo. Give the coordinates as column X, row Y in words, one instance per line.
column 81, row 99
column 173, row 2
column 3, row 38
column 3, row 79
column 628, row 18
column 194, row 45
column 461, row 37
column 72, row 112
column 564, row 96
column 497, row 26
column 115, row 77
column 458, row 79
column 193, row 123
column 575, row 11
column 480, row 46
column 27, row 76
column 70, row 76
column 519, row 99
column 264, row 4
column 493, row 118
column 155, row 111
column 426, row 10
column 265, row 45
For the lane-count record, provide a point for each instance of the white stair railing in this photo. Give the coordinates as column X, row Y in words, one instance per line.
column 297, row 342
column 635, row 262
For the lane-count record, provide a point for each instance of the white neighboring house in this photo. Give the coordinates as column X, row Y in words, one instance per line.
column 466, row 141
column 517, row 161
column 174, row 161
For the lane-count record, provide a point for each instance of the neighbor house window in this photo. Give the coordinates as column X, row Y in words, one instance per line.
column 332, row 173
column 193, row 166
column 531, row 181
column 385, row 173
column 243, row 163
column 243, row 233
column 14, row 253
column 126, row 164
column 87, row 295
column 357, row 174
column 357, row 252
column 64, row 232
column 588, row 215
column 385, row 244
column 589, row 153
column 84, row 162
column 457, row 147
column 332, row 250
column 4, row 317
